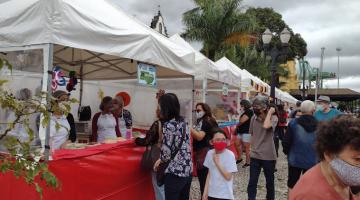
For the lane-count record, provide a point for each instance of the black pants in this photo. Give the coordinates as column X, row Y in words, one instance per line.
column 294, row 175
column 177, row 188
column 255, row 169
column 202, row 174
column 276, row 141
column 212, row 198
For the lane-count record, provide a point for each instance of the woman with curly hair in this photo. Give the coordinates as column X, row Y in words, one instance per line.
column 338, row 148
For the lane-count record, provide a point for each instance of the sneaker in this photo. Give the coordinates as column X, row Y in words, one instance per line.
column 246, row 165
column 239, row 161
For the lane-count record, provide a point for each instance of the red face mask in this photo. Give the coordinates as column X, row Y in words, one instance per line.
column 220, row 146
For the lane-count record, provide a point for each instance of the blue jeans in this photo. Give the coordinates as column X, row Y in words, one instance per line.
column 255, row 169
column 158, row 190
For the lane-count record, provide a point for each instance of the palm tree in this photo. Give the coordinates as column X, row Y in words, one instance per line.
column 217, row 22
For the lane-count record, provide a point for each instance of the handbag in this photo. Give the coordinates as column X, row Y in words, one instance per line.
column 152, row 152
column 160, row 173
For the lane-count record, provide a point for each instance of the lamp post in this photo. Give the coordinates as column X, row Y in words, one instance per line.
column 338, row 49
column 275, row 53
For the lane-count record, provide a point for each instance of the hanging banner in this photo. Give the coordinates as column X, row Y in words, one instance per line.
column 146, row 74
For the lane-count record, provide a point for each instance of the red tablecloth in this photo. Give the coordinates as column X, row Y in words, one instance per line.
column 109, row 171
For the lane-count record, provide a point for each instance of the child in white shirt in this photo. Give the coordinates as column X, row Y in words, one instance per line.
column 221, row 163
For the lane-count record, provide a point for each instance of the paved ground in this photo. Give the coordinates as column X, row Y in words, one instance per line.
column 242, row 178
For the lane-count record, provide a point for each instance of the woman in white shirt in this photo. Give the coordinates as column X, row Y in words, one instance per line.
column 59, row 125
column 104, row 123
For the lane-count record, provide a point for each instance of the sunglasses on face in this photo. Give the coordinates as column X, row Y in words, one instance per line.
column 198, row 111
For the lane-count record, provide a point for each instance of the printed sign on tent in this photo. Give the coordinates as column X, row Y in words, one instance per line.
column 146, row 74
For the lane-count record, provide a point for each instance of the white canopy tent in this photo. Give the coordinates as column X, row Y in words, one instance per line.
column 94, row 38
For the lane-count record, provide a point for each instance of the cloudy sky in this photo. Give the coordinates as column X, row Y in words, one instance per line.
column 322, row 23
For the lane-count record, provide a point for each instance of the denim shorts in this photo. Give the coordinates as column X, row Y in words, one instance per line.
column 245, row 137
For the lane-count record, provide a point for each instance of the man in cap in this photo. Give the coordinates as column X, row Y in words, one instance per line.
column 263, row 154
column 324, row 112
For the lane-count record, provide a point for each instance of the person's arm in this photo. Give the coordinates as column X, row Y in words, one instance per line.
column 227, row 175
column 206, row 188
column 288, row 137
column 268, row 123
column 197, row 135
column 168, row 138
column 94, row 127
column 150, row 137
column 71, row 121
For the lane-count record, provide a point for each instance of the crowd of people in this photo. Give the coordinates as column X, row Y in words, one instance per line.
column 321, row 144
column 322, row 147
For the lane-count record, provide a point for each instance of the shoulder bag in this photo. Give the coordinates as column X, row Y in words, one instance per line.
column 152, row 152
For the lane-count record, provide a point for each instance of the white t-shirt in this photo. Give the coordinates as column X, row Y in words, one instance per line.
column 58, row 136
column 218, row 186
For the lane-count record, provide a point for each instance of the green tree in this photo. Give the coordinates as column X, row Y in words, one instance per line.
column 23, row 160
column 214, row 22
column 268, row 18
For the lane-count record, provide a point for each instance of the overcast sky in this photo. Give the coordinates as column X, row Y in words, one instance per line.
column 322, row 23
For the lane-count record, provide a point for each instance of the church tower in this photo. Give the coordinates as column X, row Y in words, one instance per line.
column 157, row 24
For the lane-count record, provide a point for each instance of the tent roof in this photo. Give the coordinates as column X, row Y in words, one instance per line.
column 91, row 33
column 205, row 67
column 231, row 72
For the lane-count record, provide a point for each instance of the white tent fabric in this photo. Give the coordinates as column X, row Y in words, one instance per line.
column 230, row 73
column 205, row 68
column 95, row 34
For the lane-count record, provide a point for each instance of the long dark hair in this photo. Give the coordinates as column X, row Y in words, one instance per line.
column 208, row 114
column 169, row 107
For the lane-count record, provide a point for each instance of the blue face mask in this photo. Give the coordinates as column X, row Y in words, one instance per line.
column 348, row 174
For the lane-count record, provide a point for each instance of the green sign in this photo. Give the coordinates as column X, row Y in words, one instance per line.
column 146, row 74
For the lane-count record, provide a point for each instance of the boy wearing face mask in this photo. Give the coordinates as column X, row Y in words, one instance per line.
column 202, row 134
column 263, row 153
column 221, row 164
column 338, row 148
column 323, row 111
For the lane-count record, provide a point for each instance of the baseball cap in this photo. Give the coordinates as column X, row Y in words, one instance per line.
column 323, row 98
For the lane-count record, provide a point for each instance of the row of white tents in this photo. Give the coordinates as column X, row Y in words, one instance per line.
column 99, row 41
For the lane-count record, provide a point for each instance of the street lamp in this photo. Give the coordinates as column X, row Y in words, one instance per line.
column 338, row 49
column 275, row 53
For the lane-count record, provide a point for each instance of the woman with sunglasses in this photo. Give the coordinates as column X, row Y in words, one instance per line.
column 202, row 135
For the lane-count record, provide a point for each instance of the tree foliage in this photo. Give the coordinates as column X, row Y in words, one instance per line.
column 268, row 18
column 214, row 21
column 23, row 159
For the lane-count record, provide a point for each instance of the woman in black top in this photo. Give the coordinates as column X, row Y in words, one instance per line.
column 242, row 131
column 202, row 135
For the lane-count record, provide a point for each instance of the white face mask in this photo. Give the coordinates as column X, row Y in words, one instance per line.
column 200, row 114
column 320, row 107
column 348, row 174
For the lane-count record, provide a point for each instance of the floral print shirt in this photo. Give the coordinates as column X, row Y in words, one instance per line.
column 127, row 117
column 181, row 165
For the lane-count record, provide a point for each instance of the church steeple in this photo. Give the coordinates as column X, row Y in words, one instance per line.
column 157, row 23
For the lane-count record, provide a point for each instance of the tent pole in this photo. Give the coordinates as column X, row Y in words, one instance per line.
column 81, row 84
column 47, row 79
column 193, row 101
column 204, row 92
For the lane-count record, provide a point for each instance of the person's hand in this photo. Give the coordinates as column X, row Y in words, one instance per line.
column 156, row 165
column 271, row 110
column 216, row 158
column 204, row 197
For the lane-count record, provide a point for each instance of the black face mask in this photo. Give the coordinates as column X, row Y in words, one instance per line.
column 257, row 111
